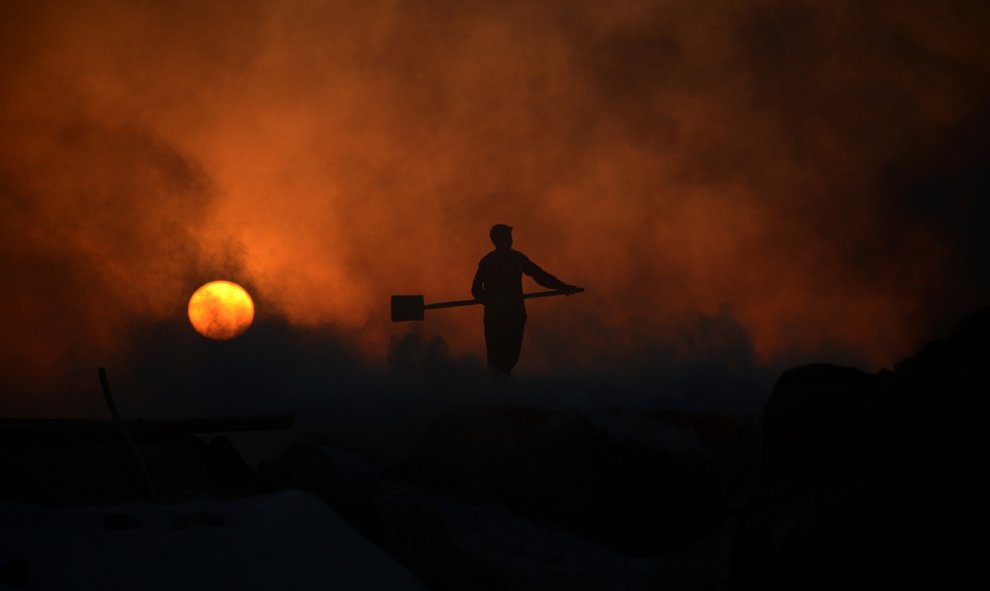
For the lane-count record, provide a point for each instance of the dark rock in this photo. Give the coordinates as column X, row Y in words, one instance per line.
column 532, row 458
column 414, row 534
column 16, row 573
column 818, row 424
column 178, row 462
column 70, row 467
column 965, row 352
column 121, row 521
column 650, row 502
column 333, row 475
column 228, row 471
column 95, row 466
column 723, row 432
column 305, row 467
column 357, row 477
column 203, row 519
column 555, row 465
column 874, row 480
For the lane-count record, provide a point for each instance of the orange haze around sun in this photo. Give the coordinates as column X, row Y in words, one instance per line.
column 221, row 310
column 679, row 161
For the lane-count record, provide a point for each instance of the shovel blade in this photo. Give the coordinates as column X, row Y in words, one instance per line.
column 405, row 308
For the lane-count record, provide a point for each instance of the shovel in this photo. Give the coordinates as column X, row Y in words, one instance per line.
column 411, row 307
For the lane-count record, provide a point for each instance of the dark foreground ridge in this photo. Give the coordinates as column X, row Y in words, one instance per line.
column 875, row 480
column 556, row 466
column 862, row 481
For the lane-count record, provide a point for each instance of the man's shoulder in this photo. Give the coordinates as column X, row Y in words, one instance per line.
column 502, row 257
column 504, row 254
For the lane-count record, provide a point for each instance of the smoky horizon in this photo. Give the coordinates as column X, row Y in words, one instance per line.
column 735, row 185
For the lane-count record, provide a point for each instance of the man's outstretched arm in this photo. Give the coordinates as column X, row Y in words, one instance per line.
column 543, row 278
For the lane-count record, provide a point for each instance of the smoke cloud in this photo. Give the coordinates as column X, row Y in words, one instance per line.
column 807, row 180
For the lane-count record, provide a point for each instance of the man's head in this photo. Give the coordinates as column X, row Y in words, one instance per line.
column 501, row 236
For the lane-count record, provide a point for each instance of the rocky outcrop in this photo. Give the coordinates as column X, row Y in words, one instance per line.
column 89, row 464
column 820, row 424
column 414, row 534
column 533, row 458
column 95, row 466
column 555, row 465
column 874, row 479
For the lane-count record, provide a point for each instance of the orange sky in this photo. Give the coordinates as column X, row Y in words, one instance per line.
column 676, row 161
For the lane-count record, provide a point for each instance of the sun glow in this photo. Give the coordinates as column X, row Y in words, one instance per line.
column 221, row 310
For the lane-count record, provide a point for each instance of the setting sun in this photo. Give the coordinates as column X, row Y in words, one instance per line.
column 221, row 310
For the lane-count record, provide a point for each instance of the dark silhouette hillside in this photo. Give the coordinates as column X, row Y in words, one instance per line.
column 872, row 480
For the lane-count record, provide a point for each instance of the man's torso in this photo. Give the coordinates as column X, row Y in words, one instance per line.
column 501, row 272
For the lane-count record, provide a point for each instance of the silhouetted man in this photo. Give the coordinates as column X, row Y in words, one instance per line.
column 498, row 285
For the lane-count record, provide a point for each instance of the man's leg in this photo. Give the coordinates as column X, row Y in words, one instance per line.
column 514, row 329
column 492, row 343
column 503, row 338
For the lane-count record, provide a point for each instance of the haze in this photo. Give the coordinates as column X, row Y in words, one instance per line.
column 814, row 175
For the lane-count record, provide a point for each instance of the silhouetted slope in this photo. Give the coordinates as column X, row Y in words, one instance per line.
column 556, row 465
column 874, row 479
column 965, row 352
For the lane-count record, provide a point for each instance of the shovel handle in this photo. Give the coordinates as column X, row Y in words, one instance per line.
column 526, row 296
